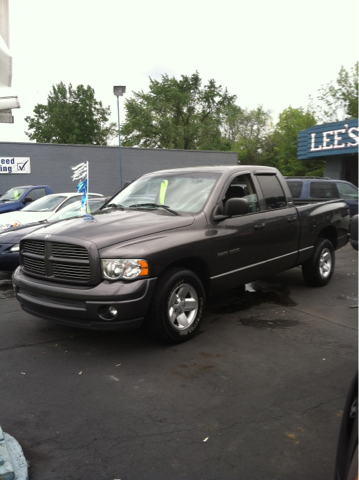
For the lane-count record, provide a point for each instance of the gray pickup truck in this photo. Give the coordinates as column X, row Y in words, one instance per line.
column 153, row 253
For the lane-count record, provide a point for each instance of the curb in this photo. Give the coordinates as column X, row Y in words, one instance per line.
column 13, row 465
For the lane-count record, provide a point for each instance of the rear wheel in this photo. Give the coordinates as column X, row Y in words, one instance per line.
column 318, row 270
column 177, row 306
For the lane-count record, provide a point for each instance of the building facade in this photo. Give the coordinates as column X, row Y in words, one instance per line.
column 50, row 164
column 337, row 144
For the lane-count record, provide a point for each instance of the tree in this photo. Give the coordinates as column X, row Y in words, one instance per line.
column 251, row 130
column 71, row 115
column 284, row 143
column 178, row 114
column 341, row 101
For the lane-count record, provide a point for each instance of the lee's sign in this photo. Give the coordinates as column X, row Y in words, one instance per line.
column 15, row 165
column 335, row 139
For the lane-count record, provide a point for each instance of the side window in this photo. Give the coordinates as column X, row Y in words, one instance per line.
column 323, row 190
column 70, row 200
column 295, row 188
column 242, row 187
column 347, row 191
column 272, row 191
column 37, row 193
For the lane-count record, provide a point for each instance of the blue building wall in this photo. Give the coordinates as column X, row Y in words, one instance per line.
column 337, row 144
column 328, row 139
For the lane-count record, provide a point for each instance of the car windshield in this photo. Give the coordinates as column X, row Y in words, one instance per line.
column 74, row 210
column 13, row 194
column 186, row 192
column 44, row 204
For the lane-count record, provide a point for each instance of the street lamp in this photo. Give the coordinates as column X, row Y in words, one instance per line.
column 119, row 91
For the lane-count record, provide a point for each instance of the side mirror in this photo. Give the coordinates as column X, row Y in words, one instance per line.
column 27, row 200
column 236, row 206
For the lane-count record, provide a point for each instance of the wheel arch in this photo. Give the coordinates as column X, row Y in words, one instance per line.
column 196, row 265
column 330, row 234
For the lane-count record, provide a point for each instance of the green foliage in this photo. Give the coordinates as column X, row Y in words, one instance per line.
column 179, row 114
column 340, row 100
column 71, row 116
column 284, row 141
column 251, row 130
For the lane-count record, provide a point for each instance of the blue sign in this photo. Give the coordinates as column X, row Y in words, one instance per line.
column 328, row 139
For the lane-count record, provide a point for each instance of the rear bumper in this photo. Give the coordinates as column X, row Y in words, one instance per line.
column 86, row 307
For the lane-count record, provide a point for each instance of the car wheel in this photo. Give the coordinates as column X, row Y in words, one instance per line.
column 318, row 270
column 177, row 306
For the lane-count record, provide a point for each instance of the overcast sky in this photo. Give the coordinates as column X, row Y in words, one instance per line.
column 270, row 52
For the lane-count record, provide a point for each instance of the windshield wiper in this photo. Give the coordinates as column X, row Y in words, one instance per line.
column 155, row 205
column 113, row 205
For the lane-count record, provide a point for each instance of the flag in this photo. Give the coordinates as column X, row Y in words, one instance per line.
column 81, row 173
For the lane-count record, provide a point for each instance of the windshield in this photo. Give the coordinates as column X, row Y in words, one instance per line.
column 74, row 210
column 13, row 194
column 182, row 192
column 44, row 204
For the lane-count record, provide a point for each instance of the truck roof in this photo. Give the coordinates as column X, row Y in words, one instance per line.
column 217, row 169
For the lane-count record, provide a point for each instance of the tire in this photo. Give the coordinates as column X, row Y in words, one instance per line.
column 318, row 270
column 177, row 306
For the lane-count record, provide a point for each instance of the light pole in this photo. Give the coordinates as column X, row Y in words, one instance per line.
column 119, row 91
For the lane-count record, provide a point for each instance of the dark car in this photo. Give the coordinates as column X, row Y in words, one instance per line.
column 354, row 232
column 10, row 239
column 346, row 465
column 321, row 189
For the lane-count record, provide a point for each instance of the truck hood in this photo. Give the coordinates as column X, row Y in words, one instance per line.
column 7, row 205
column 110, row 227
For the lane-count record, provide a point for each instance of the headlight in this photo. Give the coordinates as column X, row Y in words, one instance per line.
column 15, row 248
column 116, row 268
column 5, row 226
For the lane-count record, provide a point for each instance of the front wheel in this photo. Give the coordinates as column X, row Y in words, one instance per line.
column 177, row 306
column 318, row 270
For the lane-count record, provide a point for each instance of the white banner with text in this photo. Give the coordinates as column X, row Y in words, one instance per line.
column 15, row 165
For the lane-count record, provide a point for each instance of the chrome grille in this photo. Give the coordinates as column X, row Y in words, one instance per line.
column 78, row 272
column 34, row 246
column 35, row 266
column 66, row 250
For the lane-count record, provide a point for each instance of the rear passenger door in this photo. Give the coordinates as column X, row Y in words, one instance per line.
column 282, row 226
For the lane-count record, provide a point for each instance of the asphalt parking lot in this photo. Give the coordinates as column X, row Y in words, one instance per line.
column 258, row 394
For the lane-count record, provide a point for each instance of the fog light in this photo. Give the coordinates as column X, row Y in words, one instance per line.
column 112, row 311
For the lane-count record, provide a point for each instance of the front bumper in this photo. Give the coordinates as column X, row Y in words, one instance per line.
column 86, row 307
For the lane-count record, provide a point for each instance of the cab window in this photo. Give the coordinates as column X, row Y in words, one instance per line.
column 272, row 191
column 242, row 187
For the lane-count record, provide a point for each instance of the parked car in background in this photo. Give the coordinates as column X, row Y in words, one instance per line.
column 40, row 209
column 346, row 465
column 321, row 189
column 10, row 239
column 18, row 197
column 354, row 232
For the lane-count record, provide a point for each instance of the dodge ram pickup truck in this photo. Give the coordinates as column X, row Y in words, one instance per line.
column 157, row 249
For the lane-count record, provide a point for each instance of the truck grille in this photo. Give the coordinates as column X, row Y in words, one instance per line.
column 34, row 246
column 66, row 250
column 65, row 262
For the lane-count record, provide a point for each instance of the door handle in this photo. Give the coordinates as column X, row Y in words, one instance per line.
column 259, row 226
column 292, row 219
